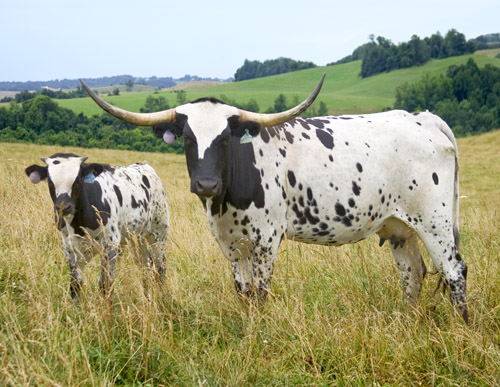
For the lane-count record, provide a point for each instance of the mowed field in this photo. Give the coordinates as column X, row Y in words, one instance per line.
column 336, row 315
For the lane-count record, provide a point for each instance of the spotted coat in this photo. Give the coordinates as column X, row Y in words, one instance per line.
column 330, row 181
column 324, row 180
column 99, row 205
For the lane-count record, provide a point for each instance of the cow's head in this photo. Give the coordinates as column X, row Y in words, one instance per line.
column 66, row 173
column 210, row 130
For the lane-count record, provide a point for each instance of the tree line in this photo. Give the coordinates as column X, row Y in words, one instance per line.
column 67, row 84
column 381, row 55
column 40, row 120
column 255, row 69
column 63, row 84
column 25, row 95
column 466, row 97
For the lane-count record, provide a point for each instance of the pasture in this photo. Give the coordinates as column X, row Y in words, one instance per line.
column 336, row 316
column 344, row 91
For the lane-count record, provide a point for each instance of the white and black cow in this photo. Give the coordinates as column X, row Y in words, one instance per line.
column 324, row 180
column 104, row 204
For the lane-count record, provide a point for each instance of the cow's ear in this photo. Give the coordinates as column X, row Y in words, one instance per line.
column 93, row 168
column 36, row 173
column 246, row 128
column 168, row 131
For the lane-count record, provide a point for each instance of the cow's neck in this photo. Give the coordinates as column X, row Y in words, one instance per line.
column 243, row 185
column 85, row 209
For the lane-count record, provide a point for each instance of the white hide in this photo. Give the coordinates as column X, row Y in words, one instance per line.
column 207, row 120
column 63, row 172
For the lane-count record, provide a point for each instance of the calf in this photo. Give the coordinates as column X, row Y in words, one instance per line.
column 104, row 204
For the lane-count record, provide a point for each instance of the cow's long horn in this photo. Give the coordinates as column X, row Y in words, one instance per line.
column 273, row 119
column 139, row 119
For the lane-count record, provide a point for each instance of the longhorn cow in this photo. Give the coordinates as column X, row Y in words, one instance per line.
column 324, row 180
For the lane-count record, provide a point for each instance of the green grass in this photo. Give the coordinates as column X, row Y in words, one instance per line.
column 344, row 90
column 336, row 315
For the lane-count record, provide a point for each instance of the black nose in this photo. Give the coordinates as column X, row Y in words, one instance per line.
column 206, row 187
column 63, row 207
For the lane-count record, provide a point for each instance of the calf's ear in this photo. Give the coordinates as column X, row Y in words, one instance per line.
column 36, row 173
column 94, row 168
column 168, row 131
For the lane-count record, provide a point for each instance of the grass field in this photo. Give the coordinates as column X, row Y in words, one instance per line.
column 336, row 315
column 344, row 90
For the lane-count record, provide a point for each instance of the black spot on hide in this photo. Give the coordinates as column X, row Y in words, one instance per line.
column 325, row 138
column 85, row 210
column 291, row 179
column 118, row 195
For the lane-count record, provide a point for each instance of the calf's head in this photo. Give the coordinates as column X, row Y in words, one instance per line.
column 212, row 132
column 66, row 173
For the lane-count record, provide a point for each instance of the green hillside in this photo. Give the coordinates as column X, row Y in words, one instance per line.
column 344, row 90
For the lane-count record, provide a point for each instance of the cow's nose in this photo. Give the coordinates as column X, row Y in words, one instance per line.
column 64, row 208
column 206, row 187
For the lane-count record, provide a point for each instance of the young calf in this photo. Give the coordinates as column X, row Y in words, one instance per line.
column 104, row 204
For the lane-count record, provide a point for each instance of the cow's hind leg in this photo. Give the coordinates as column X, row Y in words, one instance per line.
column 404, row 247
column 158, row 252
column 152, row 251
column 411, row 266
column 447, row 260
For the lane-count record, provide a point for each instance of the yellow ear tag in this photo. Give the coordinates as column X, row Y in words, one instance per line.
column 246, row 138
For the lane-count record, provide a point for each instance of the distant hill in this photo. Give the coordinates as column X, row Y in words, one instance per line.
column 344, row 90
column 67, row 84
column 489, row 38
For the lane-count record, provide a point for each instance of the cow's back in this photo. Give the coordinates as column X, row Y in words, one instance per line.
column 346, row 175
column 137, row 200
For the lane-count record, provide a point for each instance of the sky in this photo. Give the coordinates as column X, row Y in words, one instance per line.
column 56, row 39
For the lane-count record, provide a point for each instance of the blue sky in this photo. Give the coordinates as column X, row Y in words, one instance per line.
column 56, row 39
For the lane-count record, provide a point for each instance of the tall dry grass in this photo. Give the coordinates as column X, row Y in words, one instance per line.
column 336, row 315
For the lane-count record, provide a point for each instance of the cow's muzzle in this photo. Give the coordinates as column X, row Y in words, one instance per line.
column 206, row 188
column 63, row 205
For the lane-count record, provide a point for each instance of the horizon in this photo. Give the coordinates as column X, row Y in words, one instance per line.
column 52, row 41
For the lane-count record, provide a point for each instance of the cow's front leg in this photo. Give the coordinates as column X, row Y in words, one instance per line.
column 252, row 273
column 76, row 278
column 108, row 263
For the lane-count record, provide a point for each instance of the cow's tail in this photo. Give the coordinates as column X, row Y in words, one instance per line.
column 445, row 129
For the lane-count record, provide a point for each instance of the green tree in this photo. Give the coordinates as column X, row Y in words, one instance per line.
column 454, row 43
column 256, row 69
column 252, row 106
column 323, row 110
column 129, row 84
column 280, row 103
column 467, row 97
column 155, row 104
column 181, row 97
